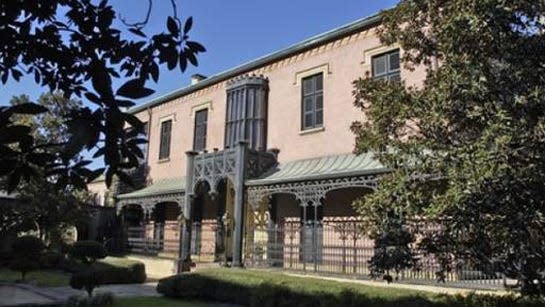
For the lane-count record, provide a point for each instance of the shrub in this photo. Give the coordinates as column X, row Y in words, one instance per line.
column 24, row 265
column 270, row 291
column 87, row 251
column 5, row 258
column 111, row 271
column 85, row 280
column 133, row 272
column 51, row 259
column 28, row 246
column 99, row 299
column 193, row 286
column 26, row 254
column 88, row 277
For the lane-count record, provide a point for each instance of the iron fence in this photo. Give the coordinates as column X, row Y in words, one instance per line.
column 152, row 239
column 338, row 246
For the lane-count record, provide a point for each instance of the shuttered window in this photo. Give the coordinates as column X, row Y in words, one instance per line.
column 387, row 66
column 199, row 137
column 164, row 148
column 246, row 118
column 312, row 102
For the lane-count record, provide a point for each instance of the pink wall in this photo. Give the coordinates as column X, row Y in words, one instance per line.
column 342, row 61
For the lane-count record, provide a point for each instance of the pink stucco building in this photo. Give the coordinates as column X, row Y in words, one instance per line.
column 254, row 165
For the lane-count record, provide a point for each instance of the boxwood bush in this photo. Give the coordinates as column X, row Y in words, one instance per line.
column 128, row 272
column 111, row 270
column 268, row 289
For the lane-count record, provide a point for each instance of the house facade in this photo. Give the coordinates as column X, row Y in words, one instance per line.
column 254, row 166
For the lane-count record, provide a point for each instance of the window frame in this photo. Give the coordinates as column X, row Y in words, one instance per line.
column 165, row 155
column 144, row 146
column 313, row 95
column 389, row 74
column 196, row 126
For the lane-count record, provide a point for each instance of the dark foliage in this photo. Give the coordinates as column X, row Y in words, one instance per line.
column 465, row 146
column 87, row 251
column 26, row 254
column 392, row 248
column 51, row 259
column 74, row 46
column 86, row 280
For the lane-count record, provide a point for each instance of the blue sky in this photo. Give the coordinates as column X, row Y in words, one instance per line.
column 233, row 31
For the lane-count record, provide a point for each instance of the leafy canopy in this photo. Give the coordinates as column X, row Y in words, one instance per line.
column 76, row 47
column 466, row 147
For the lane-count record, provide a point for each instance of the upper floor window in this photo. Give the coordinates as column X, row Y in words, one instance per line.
column 144, row 147
column 312, row 102
column 164, row 147
column 246, row 118
column 386, row 66
column 199, row 138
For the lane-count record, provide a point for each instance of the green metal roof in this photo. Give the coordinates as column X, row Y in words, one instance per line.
column 312, row 42
column 162, row 186
column 343, row 165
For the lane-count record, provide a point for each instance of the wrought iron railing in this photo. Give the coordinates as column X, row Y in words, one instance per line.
column 338, row 246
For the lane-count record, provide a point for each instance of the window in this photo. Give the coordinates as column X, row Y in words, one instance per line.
column 144, row 147
column 312, row 102
column 386, row 66
column 246, row 118
column 199, row 138
column 164, row 148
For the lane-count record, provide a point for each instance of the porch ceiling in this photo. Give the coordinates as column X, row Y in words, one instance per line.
column 161, row 186
column 344, row 165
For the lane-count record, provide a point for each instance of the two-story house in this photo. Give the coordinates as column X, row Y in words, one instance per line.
column 254, row 165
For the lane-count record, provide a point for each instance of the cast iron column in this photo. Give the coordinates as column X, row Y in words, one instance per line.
column 238, row 233
column 184, row 260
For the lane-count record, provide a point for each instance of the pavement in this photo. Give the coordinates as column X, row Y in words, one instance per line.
column 25, row 295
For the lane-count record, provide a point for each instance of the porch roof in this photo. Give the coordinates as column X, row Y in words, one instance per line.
column 329, row 167
column 159, row 187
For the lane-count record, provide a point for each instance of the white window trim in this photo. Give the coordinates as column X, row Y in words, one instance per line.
column 368, row 55
column 300, row 75
column 199, row 107
column 165, row 118
column 160, row 122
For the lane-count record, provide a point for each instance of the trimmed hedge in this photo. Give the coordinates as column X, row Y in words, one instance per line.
column 111, row 270
column 270, row 289
column 130, row 273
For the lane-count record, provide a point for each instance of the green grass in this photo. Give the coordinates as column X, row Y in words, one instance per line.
column 157, row 302
column 265, row 288
column 58, row 278
column 43, row 278
column 118, row 261
column 308, row 285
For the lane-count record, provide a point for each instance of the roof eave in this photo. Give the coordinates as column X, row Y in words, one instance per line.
column 296, row 48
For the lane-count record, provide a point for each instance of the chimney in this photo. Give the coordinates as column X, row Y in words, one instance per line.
column 196, row 78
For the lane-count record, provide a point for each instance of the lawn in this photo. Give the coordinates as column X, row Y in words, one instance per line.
column 265, row 288
column 158, row 302
column 59, row 278
column 307, row 285
column 42, row 278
